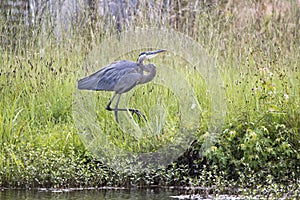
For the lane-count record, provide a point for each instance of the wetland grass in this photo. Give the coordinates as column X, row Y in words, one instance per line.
column 259, row 66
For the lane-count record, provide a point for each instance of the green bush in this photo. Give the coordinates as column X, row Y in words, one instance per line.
column 257, row 57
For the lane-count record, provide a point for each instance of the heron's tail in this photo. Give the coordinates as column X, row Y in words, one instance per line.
column 87, row 83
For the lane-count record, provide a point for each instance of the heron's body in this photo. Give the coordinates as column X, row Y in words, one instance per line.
column 120, row 77
column 116, row 77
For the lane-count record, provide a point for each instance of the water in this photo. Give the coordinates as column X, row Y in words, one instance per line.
column 144, row 194
column 115, row 194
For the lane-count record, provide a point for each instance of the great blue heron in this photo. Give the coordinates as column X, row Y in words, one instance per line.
column 121, row 76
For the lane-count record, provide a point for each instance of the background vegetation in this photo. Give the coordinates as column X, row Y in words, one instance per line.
column 257, row 47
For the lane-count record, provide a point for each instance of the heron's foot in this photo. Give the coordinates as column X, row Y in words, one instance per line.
column 138, row 113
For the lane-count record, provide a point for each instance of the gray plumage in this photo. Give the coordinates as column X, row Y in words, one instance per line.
column 120, row 77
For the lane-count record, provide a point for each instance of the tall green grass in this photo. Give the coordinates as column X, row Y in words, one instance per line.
column 258, row 60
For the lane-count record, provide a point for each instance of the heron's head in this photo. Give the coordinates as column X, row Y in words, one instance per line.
column 147, row 55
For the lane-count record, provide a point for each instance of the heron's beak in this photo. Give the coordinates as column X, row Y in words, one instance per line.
column 152, row 54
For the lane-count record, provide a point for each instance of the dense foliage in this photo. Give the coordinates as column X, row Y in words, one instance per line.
column 257, row 48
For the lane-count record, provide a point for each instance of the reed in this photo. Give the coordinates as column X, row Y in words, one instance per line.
column 258, row 60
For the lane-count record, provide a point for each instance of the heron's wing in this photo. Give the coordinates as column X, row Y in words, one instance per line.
column 127, row 82
column 108, row 77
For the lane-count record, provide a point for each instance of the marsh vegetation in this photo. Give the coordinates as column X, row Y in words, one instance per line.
column 256, row 47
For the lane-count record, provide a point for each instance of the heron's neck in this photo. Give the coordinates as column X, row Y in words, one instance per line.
column 141, row 60
column 149, row 72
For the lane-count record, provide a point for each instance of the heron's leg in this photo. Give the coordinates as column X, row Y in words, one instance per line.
column 138, row 113
column 116, row 109
column 109, row 103
column 134, row 111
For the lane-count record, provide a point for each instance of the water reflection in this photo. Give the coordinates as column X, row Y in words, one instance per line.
column 87, row 194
